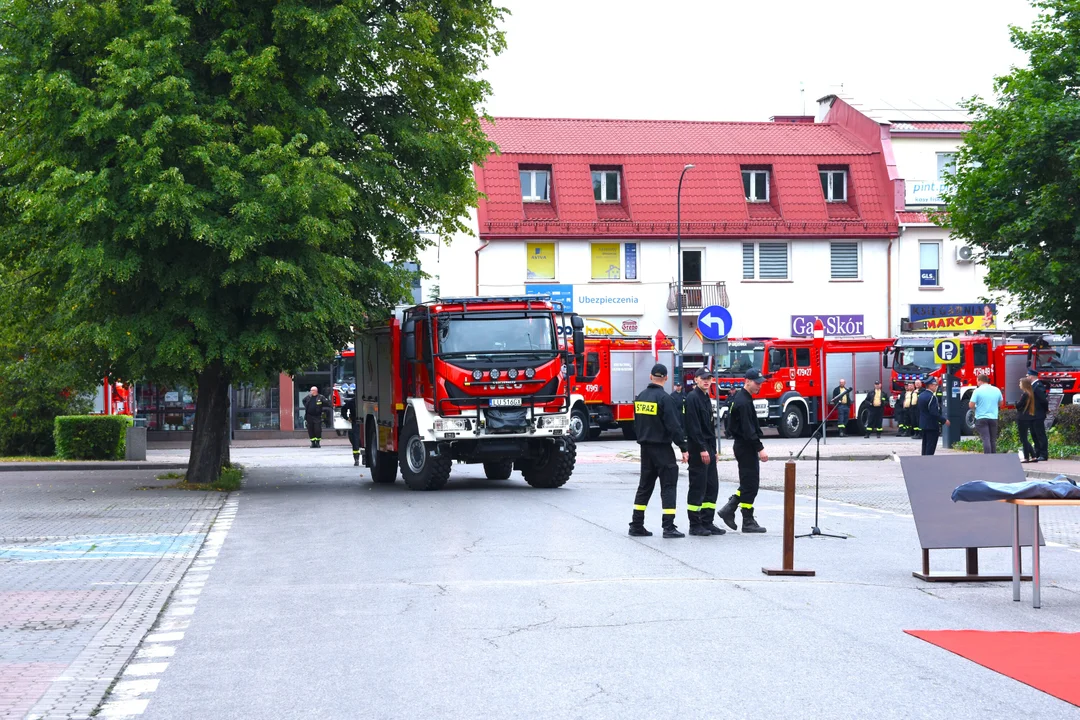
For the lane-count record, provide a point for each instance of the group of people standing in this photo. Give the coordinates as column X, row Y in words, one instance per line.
column 1031, row 410
column 686, row 420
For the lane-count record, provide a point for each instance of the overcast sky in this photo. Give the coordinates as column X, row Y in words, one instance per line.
column 726, row 60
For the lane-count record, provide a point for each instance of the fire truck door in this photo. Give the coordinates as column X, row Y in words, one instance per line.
column 980, row 360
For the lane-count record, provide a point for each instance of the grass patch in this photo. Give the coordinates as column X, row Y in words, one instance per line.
column 230, row 481
column 172, row 476
column 1009, row 442
column 30, row 458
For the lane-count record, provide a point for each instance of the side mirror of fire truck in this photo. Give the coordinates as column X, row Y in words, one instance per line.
column 578, row 324
column 408, row 330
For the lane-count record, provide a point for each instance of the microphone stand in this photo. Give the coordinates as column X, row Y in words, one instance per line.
column 815, row 531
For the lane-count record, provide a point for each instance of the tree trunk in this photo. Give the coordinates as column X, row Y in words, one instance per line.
column 209, row 442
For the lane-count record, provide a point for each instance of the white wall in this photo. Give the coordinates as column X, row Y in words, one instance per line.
column 916, row 158
column 759, row 308
column 451, row 266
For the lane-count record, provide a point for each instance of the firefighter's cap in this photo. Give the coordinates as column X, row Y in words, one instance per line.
column 753, row 374
column 703, row 373
column 659, row 370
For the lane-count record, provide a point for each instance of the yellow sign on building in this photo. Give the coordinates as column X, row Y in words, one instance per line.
column 540, row 263
column 606, row 264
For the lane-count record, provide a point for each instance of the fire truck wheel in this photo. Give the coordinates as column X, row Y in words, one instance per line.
column 553, row 468
column 499, row 469
column 792, row 422
column 421, row 470
column 383, row 465
column 628, row 431
column 579, row 424
column 969, row 418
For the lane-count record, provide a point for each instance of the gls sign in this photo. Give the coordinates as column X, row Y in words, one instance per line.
column 835, row 325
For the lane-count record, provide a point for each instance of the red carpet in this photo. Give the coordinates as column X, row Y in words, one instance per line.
column 1046, row 661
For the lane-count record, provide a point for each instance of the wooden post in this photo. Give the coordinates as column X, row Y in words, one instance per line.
column 789, row 527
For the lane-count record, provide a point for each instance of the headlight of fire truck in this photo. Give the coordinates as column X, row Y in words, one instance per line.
column 449, row 425
column 553, row 421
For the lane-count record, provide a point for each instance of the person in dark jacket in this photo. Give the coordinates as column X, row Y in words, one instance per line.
column 1042, row 409
column 348, row 413
column 315, row 406
column 749, row 452
column 841, row 398
column 679, row 397
column 1025, row 419
column 656, row 423
column 701, row 440
column 930, row 417
column 876, row 401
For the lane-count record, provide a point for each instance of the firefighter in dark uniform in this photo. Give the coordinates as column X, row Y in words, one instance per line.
column 348, row 413
column 876, row 402
column 909, row 407
column 701, row 440
column 930, row 417
column 841, row 398
column 656, row 422
column 315, row 407
column 679, row 397
column 1042, row 408
column 749, row 452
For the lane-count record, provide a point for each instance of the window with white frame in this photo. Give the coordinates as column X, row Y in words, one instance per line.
column 606, row 186
column 844, row 260
column 765, row 261
column 946, row 163
column 834, row 185
column 756, row 185
column 929, row 263
column 535, row 185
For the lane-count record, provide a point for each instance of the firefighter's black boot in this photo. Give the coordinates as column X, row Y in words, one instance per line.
column 356, row 458
column 708, row 524
column 749, row 524
column 696, row 527
column 670, row 531
column 727, row 513
column 637, row 524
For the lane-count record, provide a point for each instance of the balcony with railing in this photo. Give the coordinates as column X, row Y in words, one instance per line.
column 697, row 296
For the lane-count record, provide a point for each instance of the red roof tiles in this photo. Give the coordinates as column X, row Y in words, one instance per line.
column 932, row 127
column 652, row 154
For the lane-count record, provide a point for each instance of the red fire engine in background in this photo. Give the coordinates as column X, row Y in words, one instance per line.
column 343, row 377
column 790, row 399
column 476, row 380
column 615, row 370
column 115, row 398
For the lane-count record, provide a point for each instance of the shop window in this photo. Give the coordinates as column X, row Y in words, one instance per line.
column 614, row 261
column 535, row 185
column 756, row 185
column 834, row 185
column 606, row 186
column 540, row 263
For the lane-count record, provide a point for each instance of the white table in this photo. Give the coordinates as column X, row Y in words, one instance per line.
column 1034, row 503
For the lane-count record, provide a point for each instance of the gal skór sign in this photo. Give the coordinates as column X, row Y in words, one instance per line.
column 835, row 325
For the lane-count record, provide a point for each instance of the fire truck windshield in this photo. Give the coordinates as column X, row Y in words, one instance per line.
column 738, row 359
column 912, row 359
column 496, row 333
column 344, row 370
column 1062, row 356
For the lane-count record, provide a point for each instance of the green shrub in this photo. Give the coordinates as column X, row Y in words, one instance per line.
column 1067, row 423
column 91, row 437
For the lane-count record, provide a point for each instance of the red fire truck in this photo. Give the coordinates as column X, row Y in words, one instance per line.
column 1058, row 363
column 476, row 380
column 343, row 376
column 790, row 400
column 616, row 369
column 1003, row 360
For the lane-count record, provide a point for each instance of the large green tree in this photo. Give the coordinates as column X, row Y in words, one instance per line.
column 1015, row 193
column 218, row 190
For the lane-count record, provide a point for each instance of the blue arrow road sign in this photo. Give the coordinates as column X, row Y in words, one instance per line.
column 714, row 322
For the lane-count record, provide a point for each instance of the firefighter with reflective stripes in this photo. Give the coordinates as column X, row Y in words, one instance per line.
column 656, row 423
column 841, row 397
column 909, row 408
column 701, row 439
column 876, row 402
column 749, row 452
column 916, row 428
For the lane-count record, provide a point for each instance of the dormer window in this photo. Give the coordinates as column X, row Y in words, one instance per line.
column 535, row 185
column 834, row 185
column 756, row 185
column 606, row 186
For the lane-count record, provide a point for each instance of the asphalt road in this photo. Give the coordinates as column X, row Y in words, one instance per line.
column 322, row 595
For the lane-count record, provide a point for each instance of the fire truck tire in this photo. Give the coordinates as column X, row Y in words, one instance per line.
column 383, row 465
column 419, row 468
column 499, row 469
column 628, row 431
column 553, row 468
column 969, row 418
column 792, row 421
column 579, row 423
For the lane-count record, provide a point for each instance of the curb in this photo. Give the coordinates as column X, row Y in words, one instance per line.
column 90, row 465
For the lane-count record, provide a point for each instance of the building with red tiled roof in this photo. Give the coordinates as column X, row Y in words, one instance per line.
column 777, row 219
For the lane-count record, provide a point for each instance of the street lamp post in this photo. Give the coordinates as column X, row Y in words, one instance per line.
column 678, row 261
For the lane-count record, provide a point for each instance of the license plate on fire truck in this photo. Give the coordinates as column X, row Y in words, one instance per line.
column 506, row 402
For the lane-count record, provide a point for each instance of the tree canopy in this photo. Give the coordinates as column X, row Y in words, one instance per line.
column 219, row 190
column 1015, row 193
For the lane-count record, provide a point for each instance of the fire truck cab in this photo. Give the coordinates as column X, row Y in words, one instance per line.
column 1058, row 362
column 473, row 380
column 342, row 373
column 615, row 370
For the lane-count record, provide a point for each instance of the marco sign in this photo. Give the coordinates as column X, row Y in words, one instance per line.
column 835, row 325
